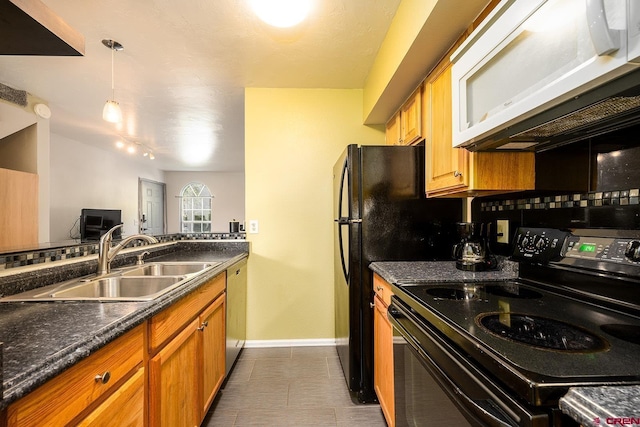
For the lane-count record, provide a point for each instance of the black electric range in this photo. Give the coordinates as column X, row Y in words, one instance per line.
column 571, row 318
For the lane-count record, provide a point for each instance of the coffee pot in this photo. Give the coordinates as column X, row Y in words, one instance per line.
column 471, row 253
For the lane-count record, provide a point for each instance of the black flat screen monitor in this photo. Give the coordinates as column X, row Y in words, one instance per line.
column 95, row 222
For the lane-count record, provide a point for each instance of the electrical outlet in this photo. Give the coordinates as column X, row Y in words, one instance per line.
column 502, row 231
column 253, row 226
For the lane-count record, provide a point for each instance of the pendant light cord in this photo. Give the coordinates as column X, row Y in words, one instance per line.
column 113, row 95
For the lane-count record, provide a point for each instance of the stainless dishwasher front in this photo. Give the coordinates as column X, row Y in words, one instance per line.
column 236, row 311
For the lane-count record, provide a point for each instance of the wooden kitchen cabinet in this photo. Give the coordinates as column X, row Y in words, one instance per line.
column 125, row 407
column 393, row 134
column 187, row 356
column 383, row 349
column 19, row 216
column 458, row 172
column 405, row 127
column 86, row 386
column 173, row 381
column 213, row 337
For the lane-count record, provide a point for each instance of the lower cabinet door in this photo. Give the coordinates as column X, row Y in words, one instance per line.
column 212, row 328
column 173, row 382
column 383, row 361
column 125, row 407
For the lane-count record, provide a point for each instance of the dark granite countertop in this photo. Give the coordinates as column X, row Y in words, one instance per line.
column 41, row 339
column 604, row 405
column 440, row 271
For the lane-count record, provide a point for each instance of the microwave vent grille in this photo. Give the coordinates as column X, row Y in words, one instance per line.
column 584, row 117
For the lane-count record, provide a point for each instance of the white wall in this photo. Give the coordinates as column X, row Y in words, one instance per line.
column 83, row 176
column 228, row 204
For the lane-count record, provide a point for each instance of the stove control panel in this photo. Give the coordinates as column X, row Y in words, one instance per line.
column 539, row 245
column 626, row 251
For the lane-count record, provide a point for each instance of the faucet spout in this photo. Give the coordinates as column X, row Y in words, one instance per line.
column 106, row 253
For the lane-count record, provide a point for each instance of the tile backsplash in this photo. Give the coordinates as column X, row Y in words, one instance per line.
column 49, row 255
column 577, row 200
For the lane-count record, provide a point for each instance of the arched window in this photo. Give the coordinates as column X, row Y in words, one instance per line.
column 195, row 215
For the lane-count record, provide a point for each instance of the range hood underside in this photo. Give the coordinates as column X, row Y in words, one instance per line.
column 29, row 27
column 613, row 106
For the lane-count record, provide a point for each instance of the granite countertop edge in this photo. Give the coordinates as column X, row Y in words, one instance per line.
column 399, row 272
column 602, row 405
column 54, row 364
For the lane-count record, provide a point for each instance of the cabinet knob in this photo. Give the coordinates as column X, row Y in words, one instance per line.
column 204, row 325
column 104, row 378
column 457, row 174
column 372, row 305
column 378, row 288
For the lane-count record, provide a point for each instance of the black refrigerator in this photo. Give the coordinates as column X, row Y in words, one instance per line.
column 380, row 214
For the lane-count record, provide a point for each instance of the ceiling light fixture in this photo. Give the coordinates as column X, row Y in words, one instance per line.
column 282, row 13
column 132, row 147
column 111, row 111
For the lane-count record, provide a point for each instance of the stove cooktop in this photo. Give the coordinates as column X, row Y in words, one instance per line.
column 531, row 338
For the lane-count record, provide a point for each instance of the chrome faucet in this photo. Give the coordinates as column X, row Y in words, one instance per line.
column 106, row 253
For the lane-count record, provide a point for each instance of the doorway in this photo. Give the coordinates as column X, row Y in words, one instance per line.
column 151, row 207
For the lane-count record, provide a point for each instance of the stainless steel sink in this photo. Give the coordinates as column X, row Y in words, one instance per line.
column 137, row 283
column 116, row 288
column 167, row 269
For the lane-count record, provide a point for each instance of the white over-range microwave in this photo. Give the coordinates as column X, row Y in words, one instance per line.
column 515, row 77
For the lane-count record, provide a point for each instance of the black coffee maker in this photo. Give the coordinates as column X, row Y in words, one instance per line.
column 472, row 253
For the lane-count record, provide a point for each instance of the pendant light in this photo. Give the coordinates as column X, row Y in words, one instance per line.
column 111, row 111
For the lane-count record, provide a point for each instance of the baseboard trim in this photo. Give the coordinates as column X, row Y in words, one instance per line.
column 290, row 343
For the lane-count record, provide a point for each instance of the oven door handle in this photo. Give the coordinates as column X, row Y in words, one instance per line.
column 486, row 410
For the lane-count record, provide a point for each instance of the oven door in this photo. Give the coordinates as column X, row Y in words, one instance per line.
column 435, row 385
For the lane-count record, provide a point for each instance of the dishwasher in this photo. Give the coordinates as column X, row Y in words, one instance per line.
column 236, row 312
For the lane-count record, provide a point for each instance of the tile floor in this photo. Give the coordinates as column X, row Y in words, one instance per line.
column 289, row 386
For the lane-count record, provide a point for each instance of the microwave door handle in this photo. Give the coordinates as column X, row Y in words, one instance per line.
column 605, row 40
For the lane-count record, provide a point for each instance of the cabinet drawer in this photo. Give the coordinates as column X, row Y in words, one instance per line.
column 166, row 324
column 125, row 407
column 64, row 397
column 382, row 289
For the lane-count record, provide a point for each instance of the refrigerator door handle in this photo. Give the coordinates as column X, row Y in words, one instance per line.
column 343, row 220
column 347, row 221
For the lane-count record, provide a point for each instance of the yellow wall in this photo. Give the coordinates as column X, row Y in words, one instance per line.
column 405, row 27
column 292, row 139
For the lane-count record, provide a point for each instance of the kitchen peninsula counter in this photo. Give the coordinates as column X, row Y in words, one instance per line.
column 42, row 339
column 440, row 271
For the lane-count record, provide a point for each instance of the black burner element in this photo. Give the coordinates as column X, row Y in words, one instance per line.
column 512, row 291
column 541, row 332
column 452, row 293
column 629, row 333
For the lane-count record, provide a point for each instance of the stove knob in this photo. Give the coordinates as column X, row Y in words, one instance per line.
column 633, row 250
column 540, row 243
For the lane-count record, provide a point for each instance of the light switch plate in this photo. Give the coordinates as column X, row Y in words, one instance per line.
column 502, row 231
column 253, row 226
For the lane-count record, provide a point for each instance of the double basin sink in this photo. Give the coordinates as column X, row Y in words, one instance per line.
column 138, row 283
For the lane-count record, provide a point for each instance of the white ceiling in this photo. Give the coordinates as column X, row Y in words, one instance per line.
column 180, row 79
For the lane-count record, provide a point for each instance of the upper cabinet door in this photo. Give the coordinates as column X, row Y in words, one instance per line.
column 530, row 55
column 411, row 116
